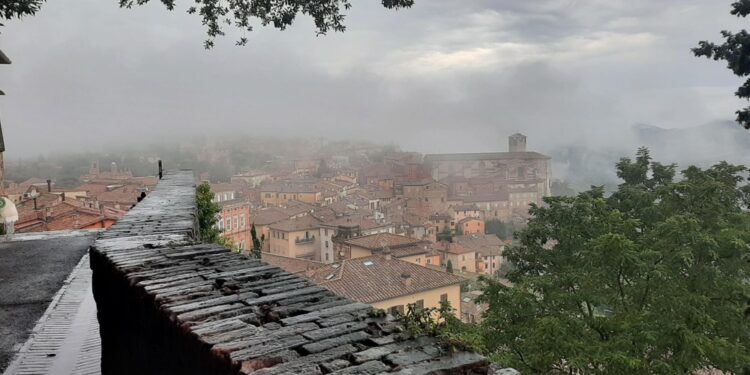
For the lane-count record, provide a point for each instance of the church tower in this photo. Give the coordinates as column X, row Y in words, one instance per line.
column 94, row 169
column 517, row 143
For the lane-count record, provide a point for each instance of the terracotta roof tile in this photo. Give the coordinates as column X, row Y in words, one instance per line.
column 302, row 223
column 375, row 278
column 292, row 265
column 485, row 244
column 376, row 241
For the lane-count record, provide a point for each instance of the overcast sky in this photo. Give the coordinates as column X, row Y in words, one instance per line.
column 442, row 76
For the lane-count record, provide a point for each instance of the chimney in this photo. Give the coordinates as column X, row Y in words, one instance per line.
column 406, row 278
column 49, row 185
column 517, row 143
column 387, row 253
column 62, row 196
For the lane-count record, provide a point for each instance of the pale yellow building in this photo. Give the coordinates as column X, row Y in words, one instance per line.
column 402, row 247
column 487, row 248
column 281, row 194
column 462, row 258
column 295, row 238
column 389, row 283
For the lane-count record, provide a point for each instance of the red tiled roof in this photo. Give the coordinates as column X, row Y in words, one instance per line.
column 293, row 265
column 268, row 216
column 375, row 278
column 376, row 241
column 301, row 223
column 452, row 248
column 485, row 244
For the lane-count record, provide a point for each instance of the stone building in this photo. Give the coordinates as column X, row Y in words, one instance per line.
column 523, row 175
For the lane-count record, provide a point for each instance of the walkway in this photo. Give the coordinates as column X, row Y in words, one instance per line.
column 66, row 338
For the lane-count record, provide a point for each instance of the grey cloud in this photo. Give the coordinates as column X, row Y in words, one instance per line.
column 442, row 76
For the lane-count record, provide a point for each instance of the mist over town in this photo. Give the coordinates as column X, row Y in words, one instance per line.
column 381, row 187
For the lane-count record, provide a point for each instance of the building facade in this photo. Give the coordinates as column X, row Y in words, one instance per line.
column 516, row 171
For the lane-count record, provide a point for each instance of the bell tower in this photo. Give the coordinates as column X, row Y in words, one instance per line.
column 517, row 143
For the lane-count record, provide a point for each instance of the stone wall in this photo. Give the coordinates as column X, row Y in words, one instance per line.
column 169, row 305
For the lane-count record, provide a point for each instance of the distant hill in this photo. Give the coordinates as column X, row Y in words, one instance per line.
column 701, row 145
column 583, row 165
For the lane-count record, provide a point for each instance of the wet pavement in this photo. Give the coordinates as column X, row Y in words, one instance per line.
column 49, row 312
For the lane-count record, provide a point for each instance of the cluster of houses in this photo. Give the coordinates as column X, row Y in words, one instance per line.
column 388, row 231
column 391, row 230
column 105, row 196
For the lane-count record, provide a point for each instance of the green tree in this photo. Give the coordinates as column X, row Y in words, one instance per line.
column 561, row 187
column 257, row 243
column 501, row 229
column 445, row 235
column 449, row 267
column 207, row 212
column 215, row 15
column 19, row 9
column 736, row 52
column 650, row 280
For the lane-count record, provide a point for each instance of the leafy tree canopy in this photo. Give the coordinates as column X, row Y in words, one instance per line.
column 207, row 211
column 649, row 280
column 216, row 15
column 19, row 9
column 736, row 52
column 502, row 230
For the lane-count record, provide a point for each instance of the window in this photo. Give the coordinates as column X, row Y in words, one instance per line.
column 326, row 245
column 419, row 261
column 444, row 297
column 463, row 257
column 326, row 231
column 236, row 222
column 326, row 257
column 229, row 224
column 242, row 220
column 396, row 310
column 419, row 304
column 429, row 261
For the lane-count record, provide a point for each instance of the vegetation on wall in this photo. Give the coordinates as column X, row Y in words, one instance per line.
column 207, row 212
column 257, row 243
